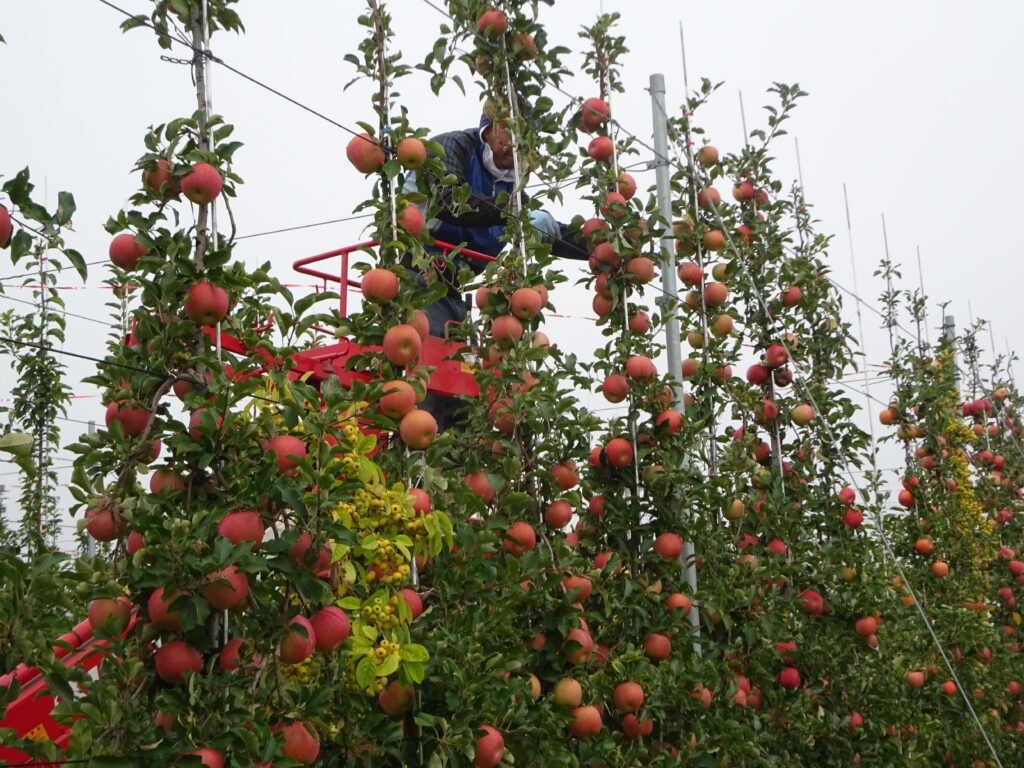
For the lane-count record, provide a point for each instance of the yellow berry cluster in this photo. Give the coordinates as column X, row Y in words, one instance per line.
column 382, row 614
column 305, row 671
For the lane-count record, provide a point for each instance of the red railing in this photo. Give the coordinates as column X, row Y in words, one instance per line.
column 345, row 282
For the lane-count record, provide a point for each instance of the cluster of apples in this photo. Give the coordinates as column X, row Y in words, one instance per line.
column 204, row 303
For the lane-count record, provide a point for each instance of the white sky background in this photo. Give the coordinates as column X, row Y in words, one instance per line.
column 915, row 106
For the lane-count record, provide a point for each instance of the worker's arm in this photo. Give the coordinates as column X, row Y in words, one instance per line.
column 566, row 240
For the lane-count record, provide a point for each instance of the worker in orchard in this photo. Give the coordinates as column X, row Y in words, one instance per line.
column 483, row 158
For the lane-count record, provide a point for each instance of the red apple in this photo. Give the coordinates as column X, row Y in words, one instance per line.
column 398, row 399
column 299, row 641
column 330, row 627
column 490, row 747
column 411, row 153
column 105, row 521
column 411, row 219
column 789, row 677
column 520, row 538
column 222, row 596
column 103, row 608
column 802, row 415
column 364, row 153
column 202, row 184
column 707, row 156
column 125, row 250
column 396, row 699
column 156, row 178
column 657, row 646
column 586, row 721
column 133, row 420
column 206, row 303
column 300, row 741
column 242, row 526
column 283, row 448
column 401, row 345
column 174, row 658
column 776, row 356
column 418, row 428
column 379, row 285
column 558, row 514
column 669, row 546
column 480, row 484
column 159, row 609
column 492, row 23
column 593, row 113
column 525, row 303
column 601, row 149
column 230, row 657
column 619, row 452
column 628, row 697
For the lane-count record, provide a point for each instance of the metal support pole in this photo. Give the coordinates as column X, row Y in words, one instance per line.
column 90, row 542
column 949, row 334
column 668, row 284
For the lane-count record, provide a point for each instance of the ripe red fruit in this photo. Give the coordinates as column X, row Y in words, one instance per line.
column 812, row 602
column 156, row 178
column 669, row 546
column 173, row 659
column 582, row 583
column 330, row 627
column 657, row 646
column 566, row 475
column 299, row 641
column 364, row 153
column 283, row 447
column 379, row 285
column 707, row 155
column 492, row 23
column 853, row 518
column 847, row 496
column 103, row 608
column 601, row 148
column 132, row 420
column 506, row 330
column 757, row 374
column 776, row 356
column 159, row 609
column 226, row 596
column 679, row 600
column 398, row 399
column 715, row 294
column 709, row 198
column 743, row 190
column 525, row 303
column 396, row 699
column 613, row 206
column 567, row 693
column 915, row 679
column 401, row 345
column 865, row 626
column 586, row 721
column 558, row 514
column 940, row 568
column 802, row 415
column 411, row 153
column 411, row 219
column 202, row 184
column 105, row 521
column 211, row 758
column 418, row 428
column 640, row 269
column 206, row 303
column 670, row 419
column 791, row 296
column 413, row 600
column 5, row 227
column 520, row 538
column 480, row 484
column 626, row 185
column 628, row 697
column 242, row 526
column 490, row 747
column 134, row 542
column 949, row 687
column 300, row 741
column 125, row 250
column 789, row 677
column 299, row 553
column 641, row 368
column 639, row 322
column 593, row 113
column 618, row 452
column 230, row 655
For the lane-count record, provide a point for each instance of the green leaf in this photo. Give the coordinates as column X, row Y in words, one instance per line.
column 65, row 207
column 78, row 262
column 365, row 671
column 17, row 443
column 414, row 652
column 388, row 666
column 21, row 244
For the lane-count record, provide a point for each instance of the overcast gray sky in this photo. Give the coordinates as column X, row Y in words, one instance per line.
column 915, row 106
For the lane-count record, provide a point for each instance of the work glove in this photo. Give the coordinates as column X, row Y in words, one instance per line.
column 545, row 224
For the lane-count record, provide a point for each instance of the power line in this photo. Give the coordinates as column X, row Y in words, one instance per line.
column 306, row 226
column 65, row 312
